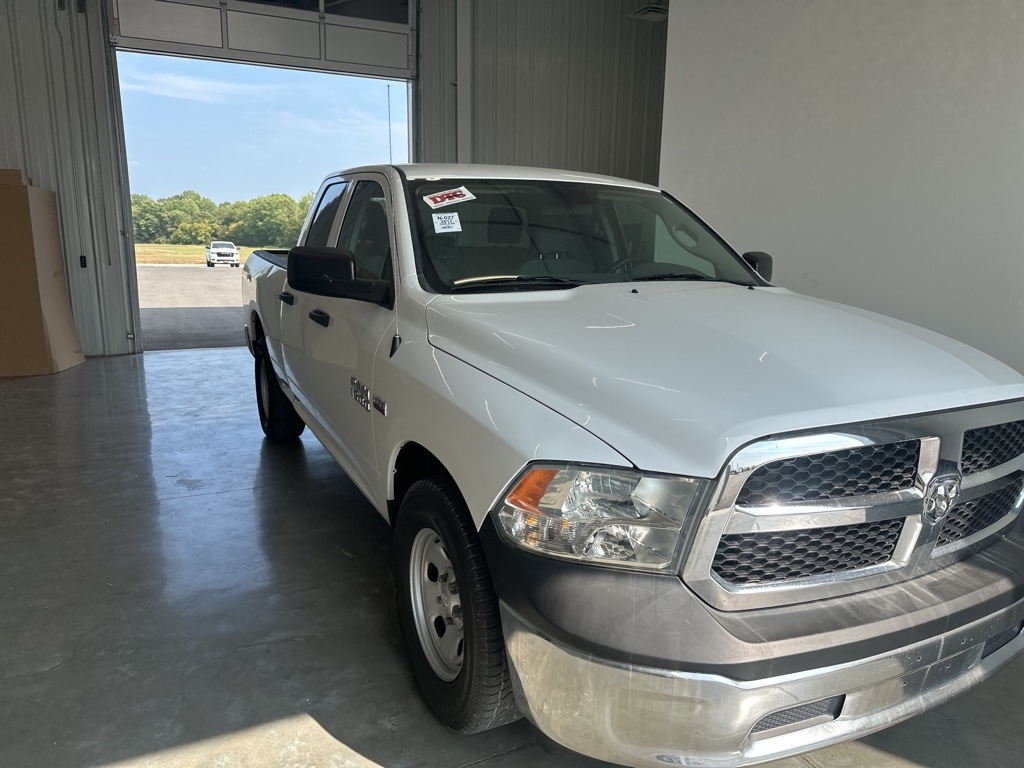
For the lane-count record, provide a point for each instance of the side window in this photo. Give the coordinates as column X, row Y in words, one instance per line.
column 365, row 232
column 320, row 226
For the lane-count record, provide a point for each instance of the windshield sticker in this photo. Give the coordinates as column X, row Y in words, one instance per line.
column 449, row 197
column 446, row 222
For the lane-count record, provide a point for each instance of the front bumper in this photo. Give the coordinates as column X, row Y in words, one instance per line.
column 641, row 716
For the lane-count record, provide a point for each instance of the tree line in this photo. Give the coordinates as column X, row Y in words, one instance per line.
column 188, row 218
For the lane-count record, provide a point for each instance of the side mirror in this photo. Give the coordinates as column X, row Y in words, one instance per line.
column 331, row 272
column 761, row 263
column 323, row 271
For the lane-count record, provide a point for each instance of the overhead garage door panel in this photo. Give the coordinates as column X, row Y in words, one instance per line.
column 288, row 37
column 382, row 49
column 171, row 22
column 361, row 39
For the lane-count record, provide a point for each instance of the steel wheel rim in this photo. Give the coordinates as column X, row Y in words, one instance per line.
column 436, row 604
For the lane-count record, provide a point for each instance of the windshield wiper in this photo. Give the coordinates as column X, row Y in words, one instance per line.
column 517, row 281
column 687, row 276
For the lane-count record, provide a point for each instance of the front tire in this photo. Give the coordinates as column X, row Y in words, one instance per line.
column 278, row 417
column 448, row 612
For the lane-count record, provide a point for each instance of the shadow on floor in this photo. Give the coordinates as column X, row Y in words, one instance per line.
column 192, row 327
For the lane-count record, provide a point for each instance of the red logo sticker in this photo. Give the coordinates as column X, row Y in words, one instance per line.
column 448, row 197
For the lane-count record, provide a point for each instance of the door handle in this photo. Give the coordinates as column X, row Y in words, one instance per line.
column 286, row 297
column 319, row 316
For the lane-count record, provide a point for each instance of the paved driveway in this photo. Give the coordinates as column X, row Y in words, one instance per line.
column 185, row 307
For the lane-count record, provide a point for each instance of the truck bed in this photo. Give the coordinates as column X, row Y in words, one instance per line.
column 276, row 256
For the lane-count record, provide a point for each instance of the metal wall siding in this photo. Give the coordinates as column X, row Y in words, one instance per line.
column 573, row 84
column 434, row 91
column 57, row 127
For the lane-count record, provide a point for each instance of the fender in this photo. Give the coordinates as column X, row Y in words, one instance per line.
column 449, row 405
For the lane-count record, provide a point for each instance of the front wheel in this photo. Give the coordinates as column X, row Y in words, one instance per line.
column 277, row 415
column 448, row 612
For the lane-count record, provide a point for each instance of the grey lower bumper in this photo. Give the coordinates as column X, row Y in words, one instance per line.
column 639, row 716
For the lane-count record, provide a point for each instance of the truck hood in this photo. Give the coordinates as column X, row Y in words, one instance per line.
column 677, row 376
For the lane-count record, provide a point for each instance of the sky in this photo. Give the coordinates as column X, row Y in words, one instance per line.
column 238, row 131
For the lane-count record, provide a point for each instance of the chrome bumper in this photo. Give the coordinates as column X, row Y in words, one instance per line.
column 638, row 716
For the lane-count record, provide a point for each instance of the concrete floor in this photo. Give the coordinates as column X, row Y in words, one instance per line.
column 177, row 592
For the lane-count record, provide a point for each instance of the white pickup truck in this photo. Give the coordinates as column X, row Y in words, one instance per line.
column 221, row 252
column 669, row 512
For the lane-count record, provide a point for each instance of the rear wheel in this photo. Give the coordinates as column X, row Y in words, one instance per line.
column 448, row 612
column 277, row 415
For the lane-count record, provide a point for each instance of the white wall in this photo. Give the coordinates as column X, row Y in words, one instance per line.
column 875, row 148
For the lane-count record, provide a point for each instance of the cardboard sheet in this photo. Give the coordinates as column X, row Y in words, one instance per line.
column 37, row 329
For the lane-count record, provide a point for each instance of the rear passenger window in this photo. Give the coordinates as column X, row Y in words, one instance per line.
column 320, row 226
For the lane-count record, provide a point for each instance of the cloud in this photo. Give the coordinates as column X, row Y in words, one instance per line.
column 339, row 139
column 190, row 88
column 351, row 125
column 295, row 124
column 371, row 126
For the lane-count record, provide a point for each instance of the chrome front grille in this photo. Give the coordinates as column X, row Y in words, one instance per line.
column 971, row 517
column 760, row 558
column 835, row 475
column 989, row 447
column 812, row 516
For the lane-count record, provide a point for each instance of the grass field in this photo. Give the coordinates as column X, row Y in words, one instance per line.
column 156, row 253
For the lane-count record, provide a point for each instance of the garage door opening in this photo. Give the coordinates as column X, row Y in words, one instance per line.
column 229, row 154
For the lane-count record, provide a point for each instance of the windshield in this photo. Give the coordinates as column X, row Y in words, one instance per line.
column 497, row 235
column 220, row 244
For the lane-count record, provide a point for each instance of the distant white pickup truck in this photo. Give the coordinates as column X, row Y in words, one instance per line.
column 221, row 252
column 672, row 514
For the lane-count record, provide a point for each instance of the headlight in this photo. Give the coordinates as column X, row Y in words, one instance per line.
column 595, row 514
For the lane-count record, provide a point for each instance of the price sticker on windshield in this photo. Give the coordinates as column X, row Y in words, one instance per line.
column 446, row 222
column 448, row 197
